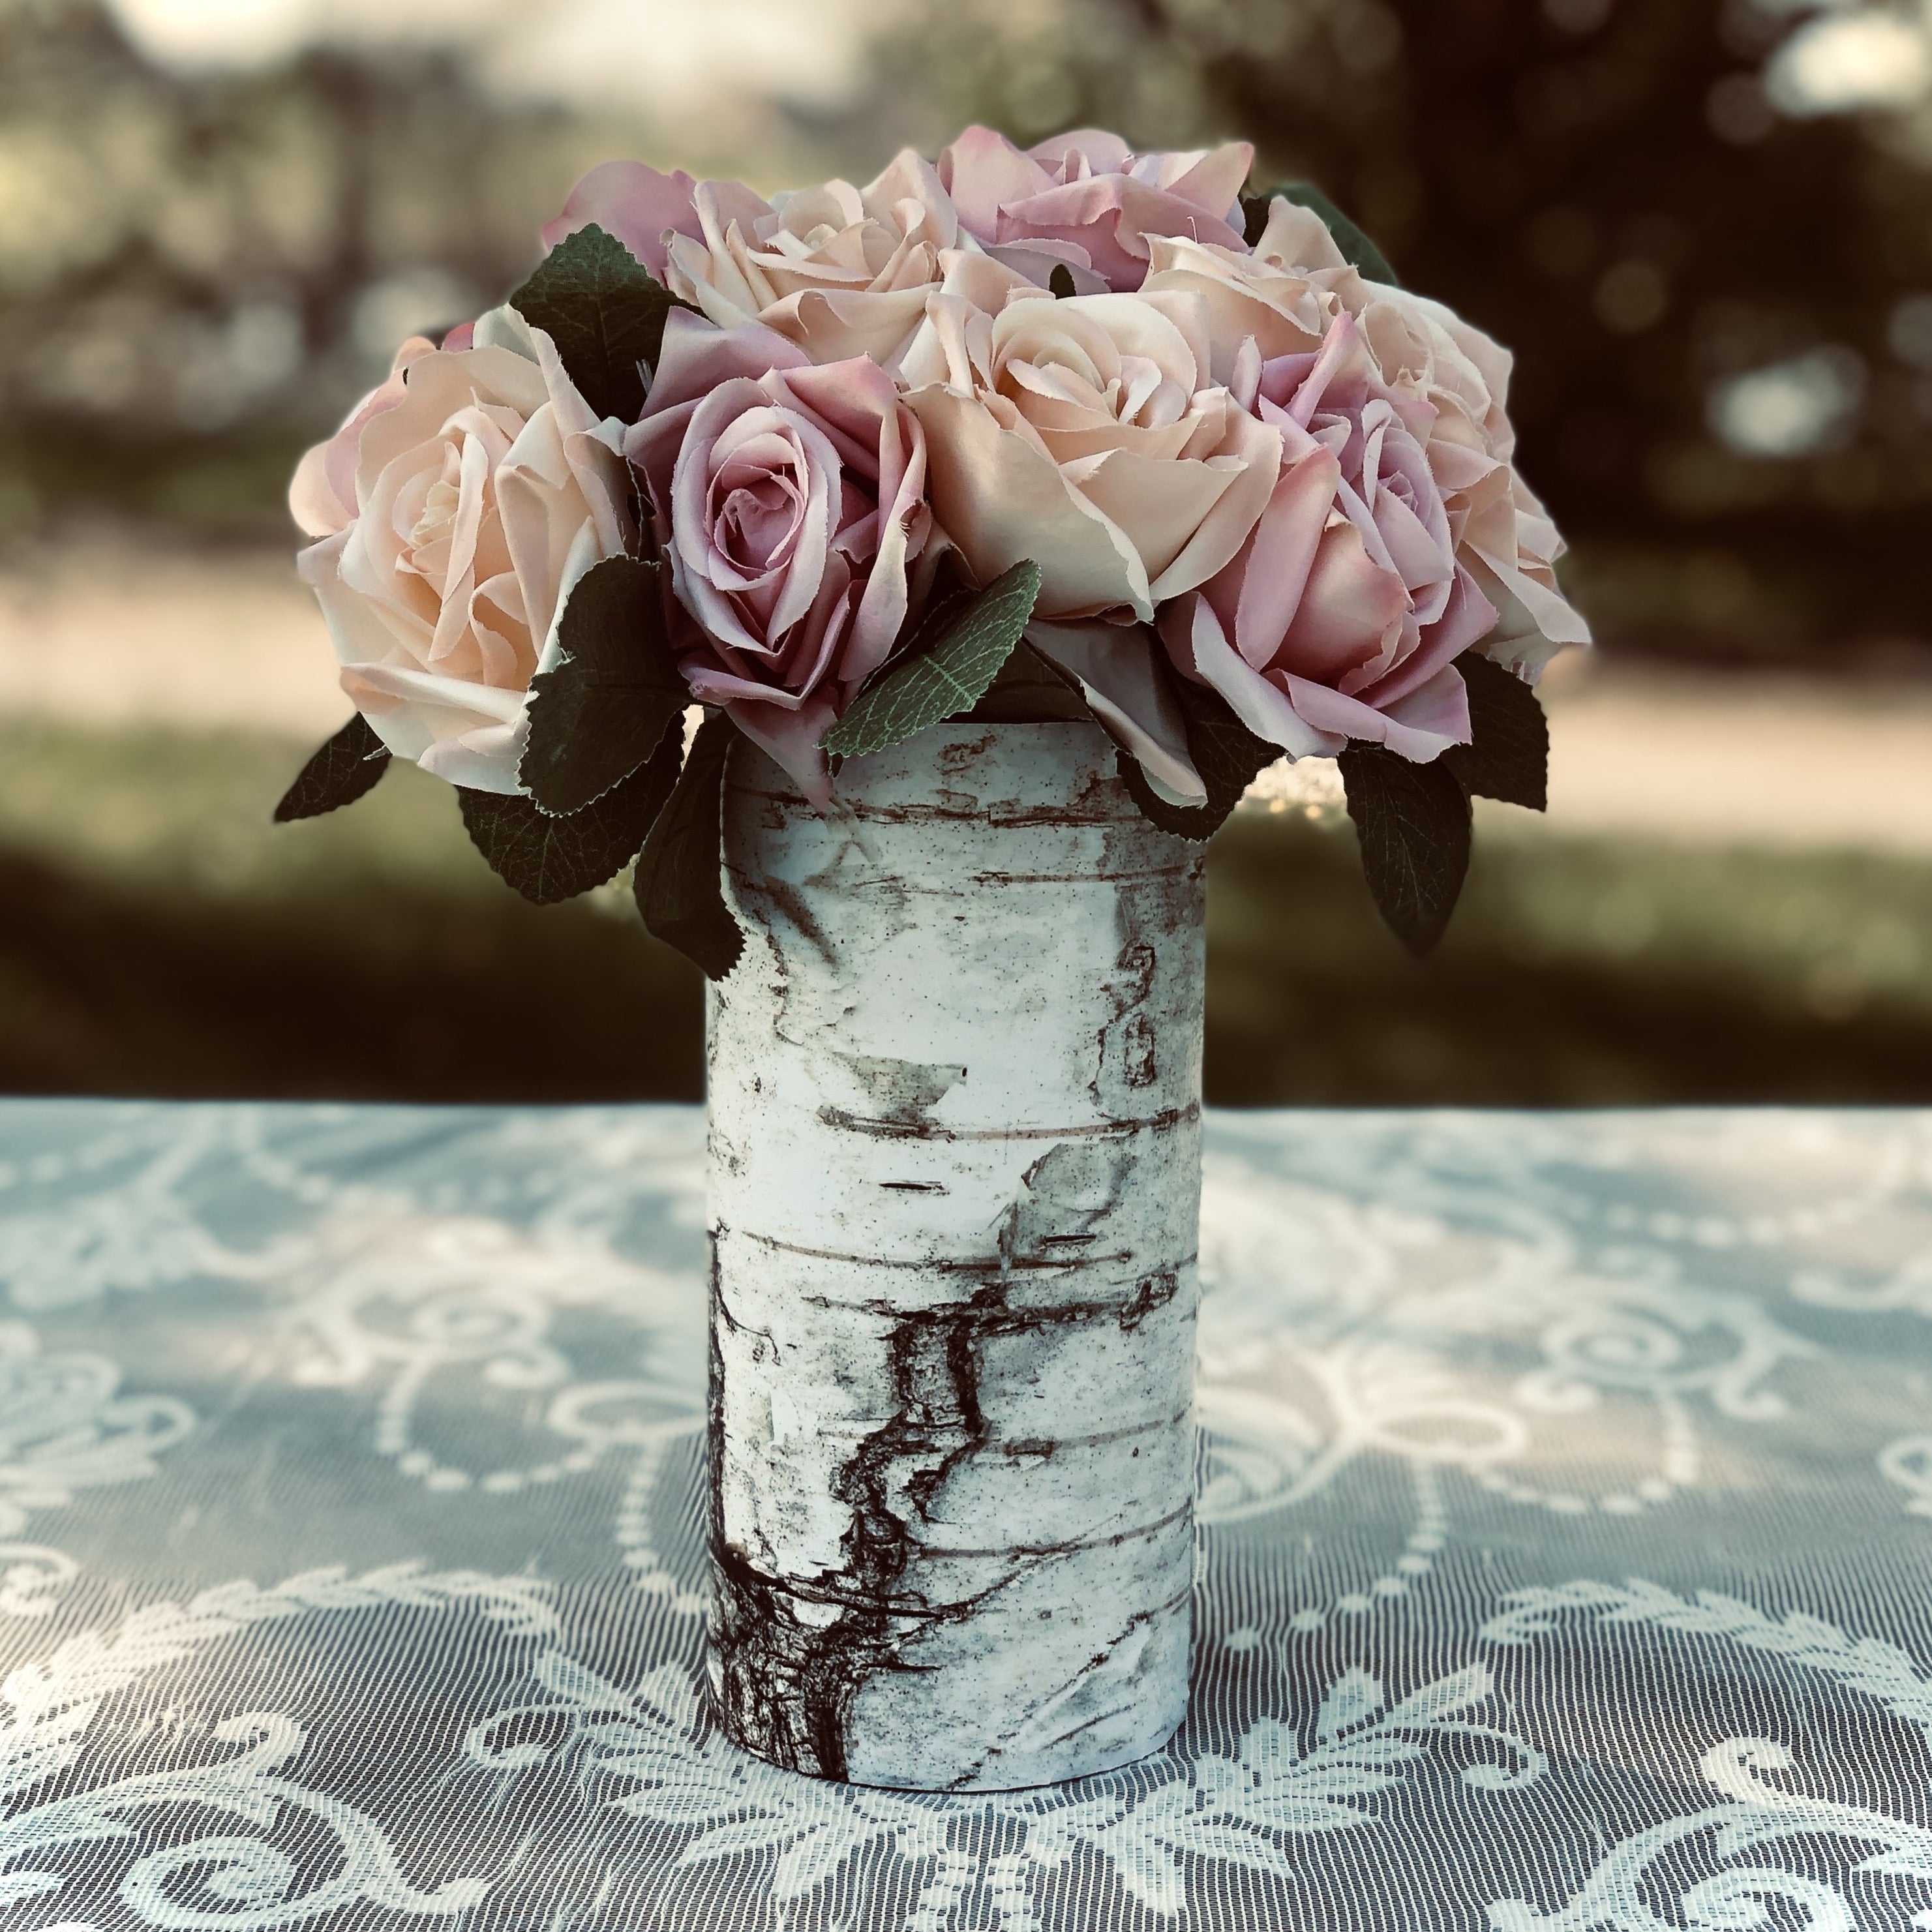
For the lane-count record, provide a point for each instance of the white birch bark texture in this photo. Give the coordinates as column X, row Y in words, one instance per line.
column 955, row 1170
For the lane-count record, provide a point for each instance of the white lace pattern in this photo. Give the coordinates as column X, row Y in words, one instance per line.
column 1566, row 1541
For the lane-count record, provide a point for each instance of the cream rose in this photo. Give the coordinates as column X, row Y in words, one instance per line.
column 1087, row 199
column 1283, row 309
column 1087, row 434
column 454, row 510
column 841, row 271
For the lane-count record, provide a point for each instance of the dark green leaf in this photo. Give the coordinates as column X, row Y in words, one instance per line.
column 926, row 685
column 340, row 771
column 1509, row 756
column 1029, row 690
column 1225, row 753
column 1060, row 282
column 1413, row 821
column 1354, row 245
column 677, row 885
column 605, row 311
column 605, row 709
column 548, row 859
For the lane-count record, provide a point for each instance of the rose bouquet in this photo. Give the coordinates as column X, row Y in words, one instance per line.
column 998, row 522
column 1068, row 433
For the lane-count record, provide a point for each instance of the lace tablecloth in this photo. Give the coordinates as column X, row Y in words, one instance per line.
column 1566, row 1557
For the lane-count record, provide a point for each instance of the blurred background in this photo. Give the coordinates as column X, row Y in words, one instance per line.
column 1704, row 226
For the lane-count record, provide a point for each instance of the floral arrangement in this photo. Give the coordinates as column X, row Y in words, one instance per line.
column 1064, row 432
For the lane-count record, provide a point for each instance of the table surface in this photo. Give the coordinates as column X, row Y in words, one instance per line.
column 1566, row 1546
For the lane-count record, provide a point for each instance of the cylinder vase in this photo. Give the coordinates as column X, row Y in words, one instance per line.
column 955, row 1165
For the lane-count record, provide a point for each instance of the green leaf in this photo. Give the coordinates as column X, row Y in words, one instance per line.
column 677, row 885
column 1060, row 282
column 1413, row 822
column 548, row 859
column 604, row 708
column 1354, row 243
column 605, row 311
column 1225, row 753
column 340, row 771
column 1509, row 756
column 930, row 683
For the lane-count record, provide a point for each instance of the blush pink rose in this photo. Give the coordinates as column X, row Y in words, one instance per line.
column 644, row 209
column 841, row 271
column 321, row 496
column 1342, row 615
column 452, row 513
column 1089, row 201
column 791, row 498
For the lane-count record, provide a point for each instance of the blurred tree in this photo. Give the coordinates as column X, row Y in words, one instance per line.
column 1724, row 345
column 196, row 272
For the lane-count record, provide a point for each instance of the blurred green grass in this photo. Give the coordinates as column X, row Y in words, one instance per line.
column 163, row 937
column 166, row 938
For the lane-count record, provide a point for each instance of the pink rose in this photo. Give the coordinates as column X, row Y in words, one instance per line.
column 1342, row 615
column 1504, row 538
column 642, row 209
column 791, row 498
column 1086, row 200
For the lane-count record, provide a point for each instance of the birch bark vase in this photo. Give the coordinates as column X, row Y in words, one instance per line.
column 954, row 1161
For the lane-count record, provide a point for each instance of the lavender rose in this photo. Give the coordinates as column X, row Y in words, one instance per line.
column 791, row 498
column 1088, row 200
column 1294, row 282
column 1342, row 615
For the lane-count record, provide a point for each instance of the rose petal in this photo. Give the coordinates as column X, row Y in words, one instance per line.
column 1001, row 500
column 1195, row 640
column 1419, row 726
column 981, row 171
column 1345, row 611
column 1253, row 455
column 1117, row 676
column 1274, row 578
column 792, row 737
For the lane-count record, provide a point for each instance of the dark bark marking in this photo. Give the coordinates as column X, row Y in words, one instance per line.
column 791, row 903
column 1157, row 1291
column 988, row 1264
column 959, row 756
column 1076, row 878
column 1062, row 1196
column 1129, row 994
column 1072, row 1545
column 931, row 1130
column 1044, row 1446
column 785, row 1687
column 947, row 806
